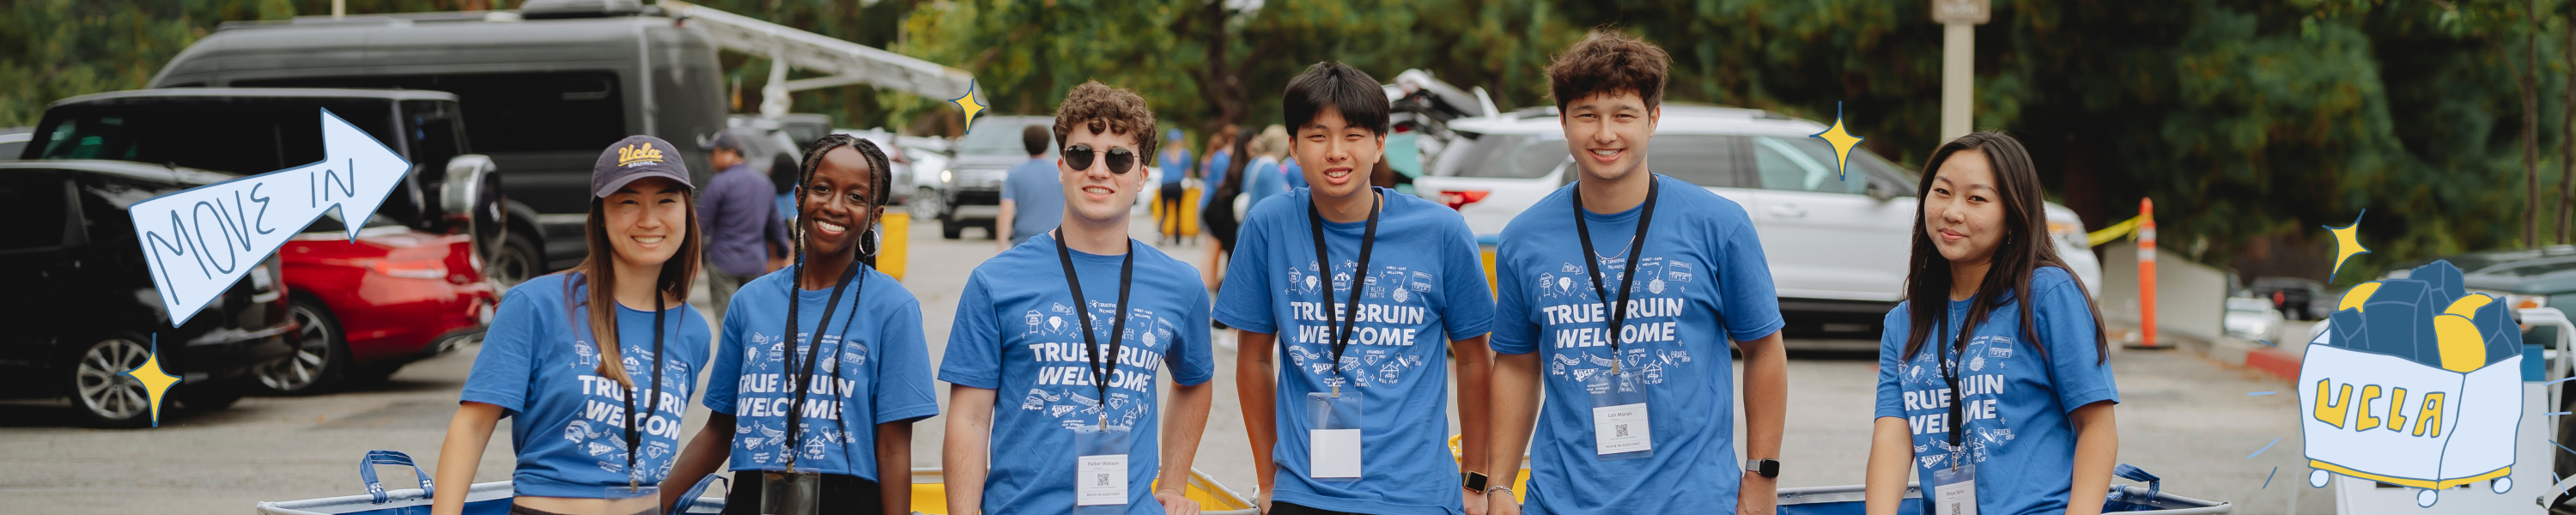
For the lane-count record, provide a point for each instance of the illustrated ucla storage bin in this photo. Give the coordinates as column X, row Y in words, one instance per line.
column 2415, row 382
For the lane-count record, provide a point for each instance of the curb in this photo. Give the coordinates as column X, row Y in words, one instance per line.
column 2275, row 362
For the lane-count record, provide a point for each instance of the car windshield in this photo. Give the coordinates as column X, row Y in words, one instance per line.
column 240, row 137
column 997, row 138
column 1507, row 157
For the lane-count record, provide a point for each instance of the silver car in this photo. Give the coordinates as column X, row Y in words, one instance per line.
column 1837, row 243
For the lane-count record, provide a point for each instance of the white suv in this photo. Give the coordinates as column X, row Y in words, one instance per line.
column 1837, row 245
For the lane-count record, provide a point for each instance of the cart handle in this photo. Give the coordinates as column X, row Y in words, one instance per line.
column 2155, row 485
column 376, row 489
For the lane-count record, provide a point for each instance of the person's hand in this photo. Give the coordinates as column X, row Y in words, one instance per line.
column 1757, row 495
column 1262, row 500
column 1176, row 504
column 1502, row 504
column 1474, row 500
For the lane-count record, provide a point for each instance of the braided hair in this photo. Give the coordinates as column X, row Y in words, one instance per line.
column 878, row 166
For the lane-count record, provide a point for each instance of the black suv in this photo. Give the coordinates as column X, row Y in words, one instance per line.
column 82, row 307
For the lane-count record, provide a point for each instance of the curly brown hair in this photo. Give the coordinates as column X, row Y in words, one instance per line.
column 1108, row 110
column 1609, row 62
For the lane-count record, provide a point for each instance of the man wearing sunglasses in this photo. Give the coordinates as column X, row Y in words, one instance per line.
column 1406, row 272
column 1053, row 357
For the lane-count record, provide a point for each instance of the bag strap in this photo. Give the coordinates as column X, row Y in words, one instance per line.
column 2155, row 485
column 376, row 489
column 689, row 499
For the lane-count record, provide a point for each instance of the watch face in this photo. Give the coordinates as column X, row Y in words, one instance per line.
column 1473, row 481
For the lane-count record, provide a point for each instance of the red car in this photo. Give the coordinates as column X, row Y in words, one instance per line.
column 367, row 308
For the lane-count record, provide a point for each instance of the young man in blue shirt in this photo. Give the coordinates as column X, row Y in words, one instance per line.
column 1032, row 198
column 1406, row 271
column 1641, row 422
column 1053, row 355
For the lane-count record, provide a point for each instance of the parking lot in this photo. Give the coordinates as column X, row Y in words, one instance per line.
column 2187, row 419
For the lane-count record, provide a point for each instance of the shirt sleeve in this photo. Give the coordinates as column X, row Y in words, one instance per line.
column 1515, row 332
column 903, row 386
column 1470, row 309
column 1245, row 301
column 501, row 369
column 773, row 229
column 724, row 375
column 1011, row 184
column 2066, row 326
column 1189, row 358
column 974, row 354
column 1891, row 346
column 710, row 207
column 1752, row 305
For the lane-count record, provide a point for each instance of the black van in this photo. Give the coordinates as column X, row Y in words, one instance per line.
column 547, row 86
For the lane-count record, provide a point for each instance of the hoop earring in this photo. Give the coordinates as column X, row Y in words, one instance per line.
column 872, row 241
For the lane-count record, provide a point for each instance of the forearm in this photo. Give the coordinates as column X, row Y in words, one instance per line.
column 962, row 453
column 1475, row 396
column 1256, row 388
column 1766, row 395
column 467, row 435
column 2097, row 451
column 704, row 454
column 1002, row 223
column 1891, row 459
column 894, row 466
column 1514, row 413
column 1184, row 421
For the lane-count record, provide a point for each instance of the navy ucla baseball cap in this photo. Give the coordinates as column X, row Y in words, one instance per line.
column 637, row 157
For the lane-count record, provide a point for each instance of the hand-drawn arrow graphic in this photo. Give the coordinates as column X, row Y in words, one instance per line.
column 202, row 240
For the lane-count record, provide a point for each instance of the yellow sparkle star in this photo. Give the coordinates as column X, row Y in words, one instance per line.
column 1841, row 140
column 969, row 103
column 2347, row 243
column 155, row 381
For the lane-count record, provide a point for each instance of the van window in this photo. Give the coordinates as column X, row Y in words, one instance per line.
column 1807, row 164
column 512, row 112
column 38, row 209
column 1508, row 157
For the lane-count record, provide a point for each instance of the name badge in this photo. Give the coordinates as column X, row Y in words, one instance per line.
column 1103, row 480
column 1954, row 489
column 1333, row 436
column 1621, row 429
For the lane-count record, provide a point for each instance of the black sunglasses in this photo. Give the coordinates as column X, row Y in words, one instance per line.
column 1120, row 160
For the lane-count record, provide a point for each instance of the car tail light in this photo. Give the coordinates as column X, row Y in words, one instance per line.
column 410, row 269
column 1461, row 198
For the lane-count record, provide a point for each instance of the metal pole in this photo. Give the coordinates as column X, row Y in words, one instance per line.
column 339, row 9
column 1958, row 79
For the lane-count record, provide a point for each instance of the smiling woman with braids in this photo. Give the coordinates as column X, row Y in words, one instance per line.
column 816, row 384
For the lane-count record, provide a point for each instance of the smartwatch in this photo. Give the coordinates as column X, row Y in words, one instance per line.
column 1472, row 481
column 1768, row 468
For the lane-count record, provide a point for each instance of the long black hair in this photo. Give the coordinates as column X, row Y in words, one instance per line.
column 2024, row 251
column 877, row 166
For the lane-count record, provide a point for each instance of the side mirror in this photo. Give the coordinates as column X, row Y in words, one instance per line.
column 1879, row 190
column 471, row 201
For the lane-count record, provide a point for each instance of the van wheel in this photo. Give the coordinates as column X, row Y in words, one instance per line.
column 321, row 353
column 950, row 228
column 516, row 261
column 925, row 204
column 105, row 396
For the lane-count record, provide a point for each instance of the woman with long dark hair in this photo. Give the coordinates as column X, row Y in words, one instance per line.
column 817, row 382
column 1993, row 382
column 593, row 365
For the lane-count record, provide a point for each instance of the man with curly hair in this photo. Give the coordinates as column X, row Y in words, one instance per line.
column 1084, row 438
column 1630, row 423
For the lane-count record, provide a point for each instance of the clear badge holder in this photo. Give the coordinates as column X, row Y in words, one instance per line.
column 1100, row 469
column 1621, row 429
column 641, row 499
column 790, row 493
column 1954, row 488
column 1333, row 436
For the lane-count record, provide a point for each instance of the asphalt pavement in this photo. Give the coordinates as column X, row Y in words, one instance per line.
column 2188, row 419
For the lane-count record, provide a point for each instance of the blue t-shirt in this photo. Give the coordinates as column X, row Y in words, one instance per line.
column 567, row 423
column 1701, row 282
column 1296, row 175
column 1215, row 176
column 1263, row 181
column 879, row 374
column 2016, row 433
column 1175, row 166
column 1015, row 334
column 1037, row 198
column 1425, row 285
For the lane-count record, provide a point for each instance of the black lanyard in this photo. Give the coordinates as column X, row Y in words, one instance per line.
column 813, row 352
column 1359, row 277
column 1100, row 368
column 1627, row 279
column 1950, row 372
column 633, row 431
